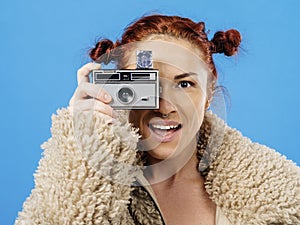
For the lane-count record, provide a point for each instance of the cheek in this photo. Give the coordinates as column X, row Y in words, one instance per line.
column 201, row 102
column 134, row 118
column 193, row 110
column 192, row 101
column 200, row 105
column 137, row 118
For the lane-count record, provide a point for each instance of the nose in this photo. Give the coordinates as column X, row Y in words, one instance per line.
column 165, row 104
column 165, row 107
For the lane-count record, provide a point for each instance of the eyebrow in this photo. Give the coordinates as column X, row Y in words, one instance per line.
column 180, row 76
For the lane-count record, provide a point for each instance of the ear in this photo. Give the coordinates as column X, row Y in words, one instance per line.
column 210, row 92
column 207, row 104
column 209, row 98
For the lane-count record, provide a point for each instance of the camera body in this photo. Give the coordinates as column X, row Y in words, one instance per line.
column 130, row 89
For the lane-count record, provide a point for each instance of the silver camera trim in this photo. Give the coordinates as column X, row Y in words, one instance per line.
column 143, row 83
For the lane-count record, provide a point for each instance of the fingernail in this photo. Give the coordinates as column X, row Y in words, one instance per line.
column 96, row 65
column 106, row 97
column 115, row 114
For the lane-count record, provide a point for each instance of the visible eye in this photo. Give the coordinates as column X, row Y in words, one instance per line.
column 184, row 84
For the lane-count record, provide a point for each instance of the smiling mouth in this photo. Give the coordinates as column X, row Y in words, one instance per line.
column 164, row 132
column 164, row 127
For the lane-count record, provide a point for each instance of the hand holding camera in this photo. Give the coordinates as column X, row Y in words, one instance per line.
column 89, row 96
column 117, row 89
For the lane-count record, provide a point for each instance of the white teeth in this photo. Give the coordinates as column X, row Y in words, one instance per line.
column 162, row 127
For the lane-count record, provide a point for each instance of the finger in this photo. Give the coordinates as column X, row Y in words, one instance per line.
column 108, row 119
column 84, row 71
column 71, row 102
column 92, row 90
column 95, row 105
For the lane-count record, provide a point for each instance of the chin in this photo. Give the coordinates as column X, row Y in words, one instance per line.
column 161, row 147
column 161, row 153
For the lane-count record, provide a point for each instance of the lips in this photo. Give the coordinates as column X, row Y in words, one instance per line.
column 164, row 131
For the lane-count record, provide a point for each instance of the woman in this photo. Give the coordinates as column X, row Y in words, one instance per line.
column 195, row 169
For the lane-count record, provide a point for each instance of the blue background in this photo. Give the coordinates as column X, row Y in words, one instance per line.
column 43, row 43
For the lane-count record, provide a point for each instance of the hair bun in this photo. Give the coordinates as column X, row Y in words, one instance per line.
column 226, row 42
column 104, row 46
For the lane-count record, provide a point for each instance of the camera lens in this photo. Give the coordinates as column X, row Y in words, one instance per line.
column 125, row 95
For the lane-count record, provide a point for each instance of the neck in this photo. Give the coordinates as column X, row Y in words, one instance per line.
column 176, row 169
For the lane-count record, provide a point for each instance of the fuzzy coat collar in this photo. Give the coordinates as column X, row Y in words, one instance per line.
column 253, row 184
column 250, row 182
column 79, row 182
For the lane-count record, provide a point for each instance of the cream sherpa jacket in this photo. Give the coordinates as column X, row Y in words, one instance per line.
column 85, row 177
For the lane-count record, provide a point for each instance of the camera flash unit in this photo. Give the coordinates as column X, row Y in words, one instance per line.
column 144, row 59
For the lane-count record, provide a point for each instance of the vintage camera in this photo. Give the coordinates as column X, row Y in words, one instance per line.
column 131, row 89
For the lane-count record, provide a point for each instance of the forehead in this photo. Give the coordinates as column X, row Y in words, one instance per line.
column 169, row 72
column 171, row 40
column 177, row 56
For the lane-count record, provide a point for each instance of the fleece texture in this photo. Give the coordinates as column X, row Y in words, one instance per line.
column 88, row 167
column 78, row 180
column 253, row 184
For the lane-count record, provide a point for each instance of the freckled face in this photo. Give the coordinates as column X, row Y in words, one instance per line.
column 183, row 98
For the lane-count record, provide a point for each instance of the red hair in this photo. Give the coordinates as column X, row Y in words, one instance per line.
column 178, row 27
